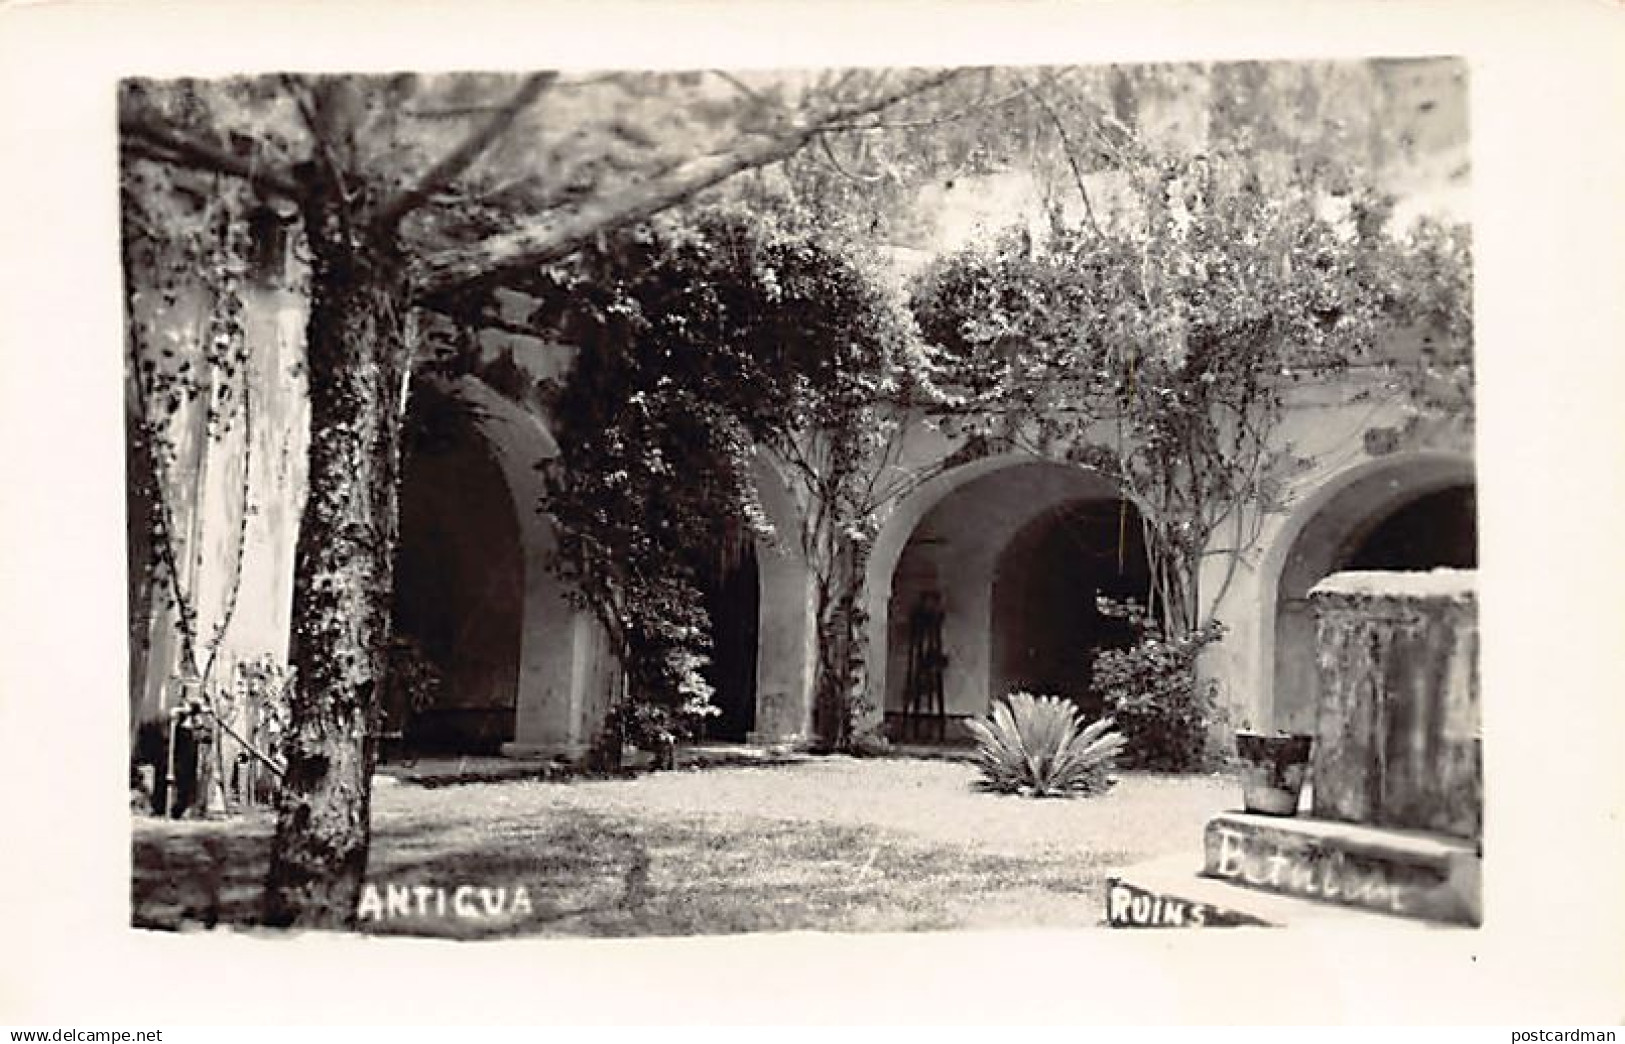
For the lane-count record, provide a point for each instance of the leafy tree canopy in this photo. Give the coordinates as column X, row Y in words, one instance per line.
column 700, row 338
column 1153, row 340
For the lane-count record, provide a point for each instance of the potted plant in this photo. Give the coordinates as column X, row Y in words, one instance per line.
column 1273, row 766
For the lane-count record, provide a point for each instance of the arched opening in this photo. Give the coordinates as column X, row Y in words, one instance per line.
column 935, row 565
column 732, row 601
column 459, row 584
column 1406, row 515
column 1046, row 624
column 1434, row 530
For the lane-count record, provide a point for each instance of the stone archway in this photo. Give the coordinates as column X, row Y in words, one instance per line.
column 948, row 537
column 732, row 602
column 563, row 674
column 1412, row 512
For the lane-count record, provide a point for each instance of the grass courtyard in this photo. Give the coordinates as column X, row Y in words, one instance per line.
column 829, row 844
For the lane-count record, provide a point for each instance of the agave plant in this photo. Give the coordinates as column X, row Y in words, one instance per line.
column 1038, row 745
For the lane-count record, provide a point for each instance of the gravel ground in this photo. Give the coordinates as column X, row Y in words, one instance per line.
column 931, row 800
column 825, row 844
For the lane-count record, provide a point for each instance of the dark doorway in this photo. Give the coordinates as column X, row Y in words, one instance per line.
column 1438, row 529
column 733, row 602
column 1046, row 626
column 459, row 587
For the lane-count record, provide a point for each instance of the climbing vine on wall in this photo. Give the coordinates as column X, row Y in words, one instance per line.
column 188, row 245
column 185, row 250
column 1158, row 344
column 703, row 340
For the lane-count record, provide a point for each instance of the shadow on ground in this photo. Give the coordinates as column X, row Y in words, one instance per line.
column 590, row 874
column 825, row 845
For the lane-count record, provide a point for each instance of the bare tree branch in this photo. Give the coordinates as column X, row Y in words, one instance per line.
column 322, row 120
column 542, row 242
column 1071, row 156
column 149, row 138
column 737, row 84
column 982, row 104
column 464, row 155
column 862, row 179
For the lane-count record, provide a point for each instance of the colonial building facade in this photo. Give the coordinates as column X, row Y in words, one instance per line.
column 1002, row 553
column 1011, row 548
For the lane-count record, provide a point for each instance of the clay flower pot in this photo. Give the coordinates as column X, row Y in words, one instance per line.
column 1273, row 767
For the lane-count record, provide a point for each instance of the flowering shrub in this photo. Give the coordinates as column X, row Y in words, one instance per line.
column 646, row 726
column 1151, row 689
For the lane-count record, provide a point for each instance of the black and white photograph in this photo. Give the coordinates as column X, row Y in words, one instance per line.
column 714, row 502
column 854, row 499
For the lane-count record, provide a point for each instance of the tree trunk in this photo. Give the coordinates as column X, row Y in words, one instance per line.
column 860, row 702
column 828, row 691
column 358, row 356
column 1174, row 579
column 839, row 696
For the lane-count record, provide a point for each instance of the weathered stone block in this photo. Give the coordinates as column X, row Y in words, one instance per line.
column 1397, row 731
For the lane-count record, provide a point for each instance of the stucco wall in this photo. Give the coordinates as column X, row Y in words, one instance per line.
column 785, row 653
column 205, row 495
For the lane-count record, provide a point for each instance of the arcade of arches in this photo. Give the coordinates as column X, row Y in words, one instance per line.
column 993, row 567
column 460, row 580
column 526, row 671
column 998, row 560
